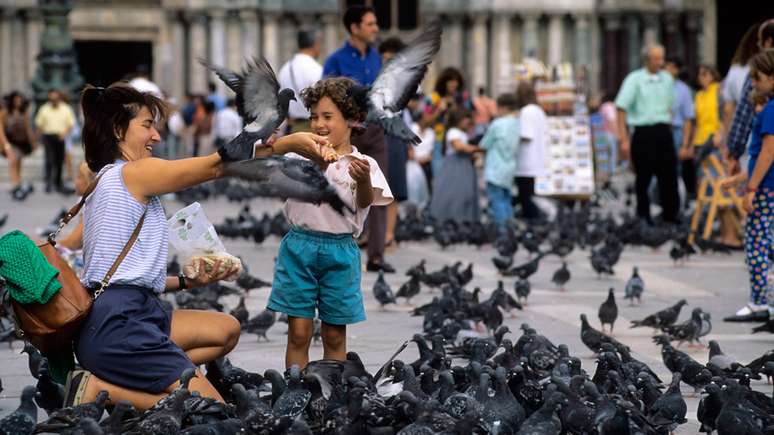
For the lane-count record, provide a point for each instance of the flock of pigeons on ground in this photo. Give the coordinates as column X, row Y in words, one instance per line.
column 472, row 375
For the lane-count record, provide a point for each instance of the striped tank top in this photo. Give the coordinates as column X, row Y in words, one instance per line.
column 109, row 217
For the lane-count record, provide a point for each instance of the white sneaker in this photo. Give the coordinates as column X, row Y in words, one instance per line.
column 751, row 308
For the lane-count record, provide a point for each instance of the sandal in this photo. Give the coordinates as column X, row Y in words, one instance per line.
column 75, row 387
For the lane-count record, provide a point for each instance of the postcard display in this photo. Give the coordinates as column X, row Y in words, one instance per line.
column 569, row 159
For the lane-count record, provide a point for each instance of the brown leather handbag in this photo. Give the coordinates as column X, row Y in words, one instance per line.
column 53, row 325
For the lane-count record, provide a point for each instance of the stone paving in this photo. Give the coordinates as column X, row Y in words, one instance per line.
column 715, row 282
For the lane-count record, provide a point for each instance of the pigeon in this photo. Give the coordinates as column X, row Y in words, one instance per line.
column 687, row 331
column 382, row 291
column 260, row 102
column 397, row 82
column 240, row 312
column 592, row 338
column 522, row 288
column 668, row 411
column 292, row 178
column 3, row 219
column 50, row 395
column 249, row 282
column 261, row 323
column 764, row 327
column 34, row 358
column 561, row 276
column 608, row 311
column 634, row 287
column 525, row 270
column 661, row 319
column 24, row 418
column 409, row 289
column 718, row 361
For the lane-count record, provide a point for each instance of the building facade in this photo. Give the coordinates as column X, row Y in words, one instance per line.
column 484, row 38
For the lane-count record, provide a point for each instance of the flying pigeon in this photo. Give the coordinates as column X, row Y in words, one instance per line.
column 260, row 102
column 283, row 177
column 397, row 82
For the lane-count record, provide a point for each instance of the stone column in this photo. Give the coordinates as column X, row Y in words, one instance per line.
column 671, row 34
column 162, row 56
column 595, row 55
column 612, row 72
column 33, row 42
column 233, row 42
column 555, row 39
column 633, row 43
column 331, row 41
column 18, row 73
column 582, row 40
column 479, row 50
column 692, row 25
column 271, row 39
column 251, row 29
column 500, row 74
column 529, row 29
column 452, row 43
column 175, row 66
column 217, row 45
column 6, row 15
column 709, row 39
column 652, row 29
column 197, row 48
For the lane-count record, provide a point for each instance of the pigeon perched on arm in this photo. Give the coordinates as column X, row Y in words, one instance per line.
column 397, row 82
column 260, row 103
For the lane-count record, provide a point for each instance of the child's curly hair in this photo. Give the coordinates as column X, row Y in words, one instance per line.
column 338, row 89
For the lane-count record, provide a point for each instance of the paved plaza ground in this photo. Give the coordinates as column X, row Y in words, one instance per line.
column 715, row 282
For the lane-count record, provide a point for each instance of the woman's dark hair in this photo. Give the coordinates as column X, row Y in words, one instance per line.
column 448, row 74
column 711, row 70
column 354, row 15
column 340, row 91
column 106, row 116
column 525, row 94
column 747, row 47
column 762, row 63
column 9, row 101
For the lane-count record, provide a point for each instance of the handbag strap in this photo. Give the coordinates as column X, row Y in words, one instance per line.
column 106, row 280
column 73, row 211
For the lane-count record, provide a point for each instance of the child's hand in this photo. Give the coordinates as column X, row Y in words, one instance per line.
column 731, row 182
column 360, row 171
column 747, row 204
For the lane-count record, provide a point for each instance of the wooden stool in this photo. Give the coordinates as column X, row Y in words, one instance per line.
column 711, row 194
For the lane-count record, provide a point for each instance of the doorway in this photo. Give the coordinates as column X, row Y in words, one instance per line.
column 104, row 62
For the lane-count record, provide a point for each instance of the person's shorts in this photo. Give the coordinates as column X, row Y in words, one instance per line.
column 125, row 341
column 318, row 272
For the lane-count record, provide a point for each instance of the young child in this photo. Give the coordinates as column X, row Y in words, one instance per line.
column 318, row 265
column 455, row 186
column 501, row 143
column 759, row 192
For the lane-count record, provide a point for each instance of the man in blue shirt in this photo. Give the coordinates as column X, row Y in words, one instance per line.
column 359, row 60
column 683, row 113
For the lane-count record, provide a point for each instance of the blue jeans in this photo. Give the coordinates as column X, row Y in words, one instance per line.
column 500, row 208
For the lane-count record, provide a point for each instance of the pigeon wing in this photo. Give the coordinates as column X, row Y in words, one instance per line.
column 259, row 92
column 399, row 80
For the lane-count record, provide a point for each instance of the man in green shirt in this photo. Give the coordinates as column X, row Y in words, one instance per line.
column 644, row 102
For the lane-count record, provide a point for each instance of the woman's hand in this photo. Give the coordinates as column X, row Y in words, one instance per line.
column 309, row 145
column 747, row 204
column 217, row 273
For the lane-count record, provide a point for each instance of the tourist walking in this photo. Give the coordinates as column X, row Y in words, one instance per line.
column 645, row 102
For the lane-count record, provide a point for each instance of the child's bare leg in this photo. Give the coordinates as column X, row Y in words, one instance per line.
column 334, row 339
column 299, row 338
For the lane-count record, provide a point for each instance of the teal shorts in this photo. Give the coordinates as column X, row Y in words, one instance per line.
column 318, row 271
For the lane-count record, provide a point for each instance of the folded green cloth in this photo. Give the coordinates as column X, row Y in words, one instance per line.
column 29, row 276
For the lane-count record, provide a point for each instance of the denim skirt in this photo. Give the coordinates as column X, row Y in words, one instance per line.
column 125, row 341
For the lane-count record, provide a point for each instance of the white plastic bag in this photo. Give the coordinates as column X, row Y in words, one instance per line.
column 195, row 240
